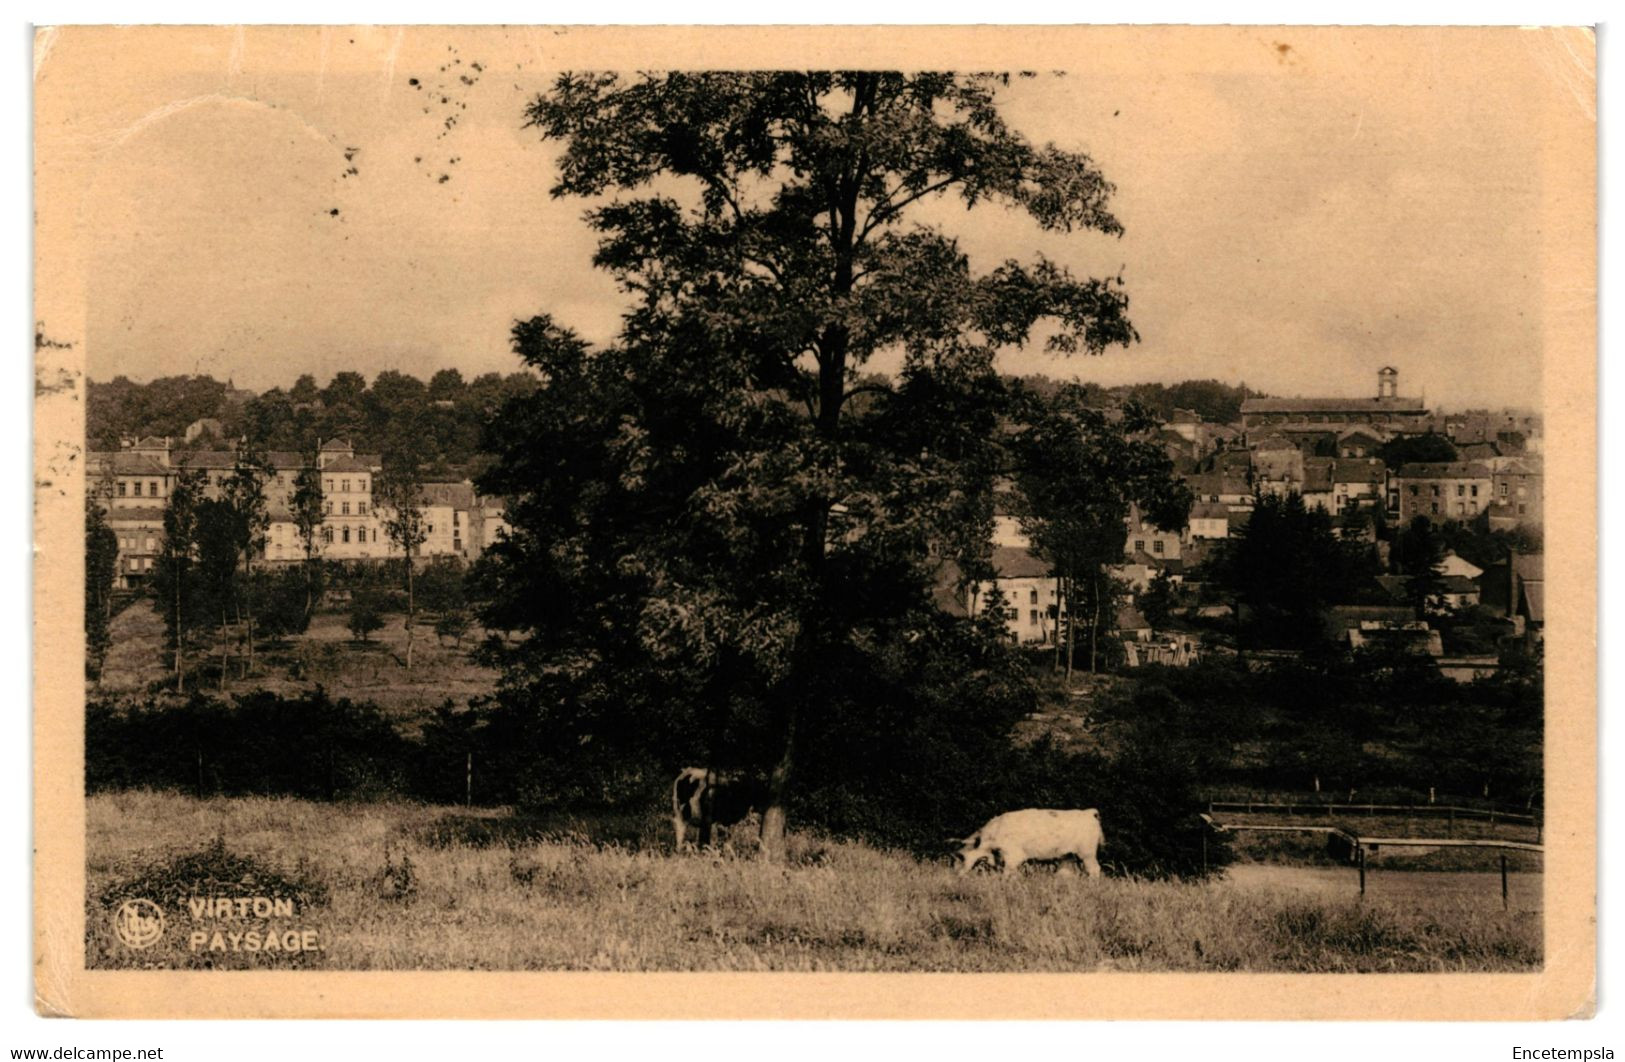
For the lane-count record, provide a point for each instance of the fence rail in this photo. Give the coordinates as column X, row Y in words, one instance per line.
column 1451, row 811
column 1359, row 845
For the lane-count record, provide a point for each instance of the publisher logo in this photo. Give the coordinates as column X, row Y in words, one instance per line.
column 138, row 923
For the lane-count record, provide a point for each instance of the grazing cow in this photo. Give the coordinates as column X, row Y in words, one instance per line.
column 706, row 799
column 1036, row 833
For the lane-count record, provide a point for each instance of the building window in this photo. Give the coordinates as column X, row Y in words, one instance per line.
column 346, row 534
column 138, row 488
column 327, row 535
column 327, row 507
column 1139, row 545
column 330, row 486
column 1503, row 490
column 1522, row 508
column 1435, row 490
column 1413, row 489
column 456, row 518
column 1156, row 547
column 431, row 529
column 1475, row 490
column 121, row 489
column 1474, row 506
column 344, row 486
column 1434, row 507
column 152, row 488
column 375, row 534
column 1032, row 617
column 1461, row 490
column 361, row 485
column 1032, row 597
column 361, row 508
column 344, row 508
column 151, row 543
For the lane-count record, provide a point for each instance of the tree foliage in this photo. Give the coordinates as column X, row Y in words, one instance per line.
column 1287, row 567
column 101, row 571
column 1080, row 472
column 1412, row 449
column 719, row 521
column 174, row 580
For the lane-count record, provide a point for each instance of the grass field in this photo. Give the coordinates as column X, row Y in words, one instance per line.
column 405, row 886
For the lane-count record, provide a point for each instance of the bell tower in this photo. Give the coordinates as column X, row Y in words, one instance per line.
column 1387, row 382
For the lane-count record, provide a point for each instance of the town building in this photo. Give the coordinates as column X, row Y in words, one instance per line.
column 1387, row 410
column 1516, row 495
column 1029, row 590
column 134, row 484
column 1439, row 490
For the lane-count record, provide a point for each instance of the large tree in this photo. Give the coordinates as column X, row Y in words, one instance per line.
column 719, row 520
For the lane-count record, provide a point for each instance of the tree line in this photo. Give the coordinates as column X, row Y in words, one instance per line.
column 443, row 417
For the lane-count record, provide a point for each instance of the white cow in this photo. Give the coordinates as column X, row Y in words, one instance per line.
column 1035, row 833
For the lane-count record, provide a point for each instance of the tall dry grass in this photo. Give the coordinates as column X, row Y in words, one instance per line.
column 406, row 886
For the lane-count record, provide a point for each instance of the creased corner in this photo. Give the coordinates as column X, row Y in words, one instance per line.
column 51, row 992
column 44, row 38
column 1587, row 1008
column 1568, row 54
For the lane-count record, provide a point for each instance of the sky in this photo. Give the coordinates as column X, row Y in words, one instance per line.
column 1301, row 207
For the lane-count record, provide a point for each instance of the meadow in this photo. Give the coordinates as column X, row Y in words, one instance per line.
column 326, row 655
column 405, row 886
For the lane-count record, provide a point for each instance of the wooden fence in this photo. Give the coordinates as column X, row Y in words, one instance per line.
column 1360, row 844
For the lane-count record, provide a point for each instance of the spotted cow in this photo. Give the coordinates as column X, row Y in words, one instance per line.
column 705, row 799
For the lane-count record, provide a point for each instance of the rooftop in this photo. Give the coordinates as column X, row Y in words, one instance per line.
column 1332, row 405
column 1444, row 470
column 1016, row 562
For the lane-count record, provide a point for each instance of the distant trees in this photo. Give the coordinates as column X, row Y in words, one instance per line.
column 244, row 492
column 446, row 415
column 307, row 507
column 399, row 493
column 366, row 613
column 174, row 578
column 1418, row 553
column 1287, row 567
column 1414, row 449
column 1079, row 472
column 121, row 408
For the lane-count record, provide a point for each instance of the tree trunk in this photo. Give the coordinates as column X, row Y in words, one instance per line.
column 778, row 793
column 180, row 672
column 248, row 608
column 832, row 348
column 225, row 644
column 1060, row 599
column 409, row 609
column 1094, row 626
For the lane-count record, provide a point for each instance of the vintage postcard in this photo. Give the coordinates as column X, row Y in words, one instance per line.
column 815, row 522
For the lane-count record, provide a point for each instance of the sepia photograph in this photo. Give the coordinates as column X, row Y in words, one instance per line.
column 792, row 505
